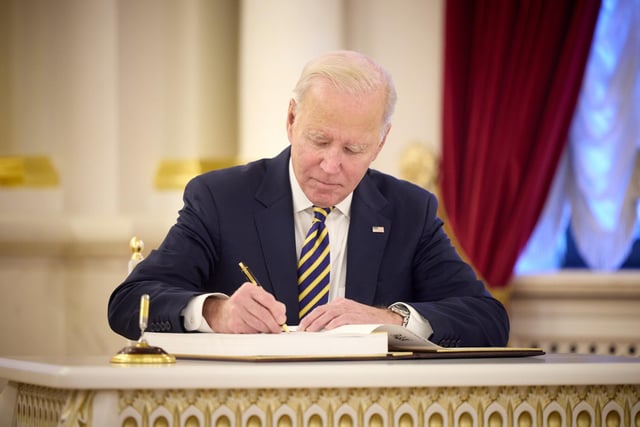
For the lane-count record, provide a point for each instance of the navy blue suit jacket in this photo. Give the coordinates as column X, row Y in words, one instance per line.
column 245, row 213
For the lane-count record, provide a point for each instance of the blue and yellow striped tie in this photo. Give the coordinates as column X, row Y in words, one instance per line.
column 314, row 264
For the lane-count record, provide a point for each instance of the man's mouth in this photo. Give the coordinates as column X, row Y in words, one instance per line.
column 326, row 184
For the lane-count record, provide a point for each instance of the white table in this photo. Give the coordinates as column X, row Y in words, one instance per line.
column 543, row 390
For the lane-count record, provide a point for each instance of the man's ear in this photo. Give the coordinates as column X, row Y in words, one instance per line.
column 381, row 144
column 291, row 116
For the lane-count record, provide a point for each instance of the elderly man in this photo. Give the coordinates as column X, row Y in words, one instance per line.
column 332, row 241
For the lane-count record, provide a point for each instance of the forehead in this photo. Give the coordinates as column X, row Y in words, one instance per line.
column 327, row 109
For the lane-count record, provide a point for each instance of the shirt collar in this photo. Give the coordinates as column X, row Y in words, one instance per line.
column 301, row 202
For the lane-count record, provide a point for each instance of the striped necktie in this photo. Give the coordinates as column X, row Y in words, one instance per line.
column 314, row 264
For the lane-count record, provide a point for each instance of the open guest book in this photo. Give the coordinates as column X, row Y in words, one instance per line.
column 359, row 342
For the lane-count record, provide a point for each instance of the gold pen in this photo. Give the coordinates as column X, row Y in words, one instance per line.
column 144, row 316
column 253, row 280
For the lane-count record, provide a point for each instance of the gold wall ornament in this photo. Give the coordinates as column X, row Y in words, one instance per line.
column 174, row 174
column 420, row 164
column 27, row 171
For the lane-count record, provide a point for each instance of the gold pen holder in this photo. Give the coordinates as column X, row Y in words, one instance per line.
column 142, row 353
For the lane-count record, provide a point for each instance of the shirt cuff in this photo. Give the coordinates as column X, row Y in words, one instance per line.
column 192, row 313
column 417, row 323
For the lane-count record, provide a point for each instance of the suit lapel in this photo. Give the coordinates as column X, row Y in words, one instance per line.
column 275, row 228
column 368, row 232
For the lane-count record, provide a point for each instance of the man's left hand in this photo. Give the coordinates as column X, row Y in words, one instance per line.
column 342, row 311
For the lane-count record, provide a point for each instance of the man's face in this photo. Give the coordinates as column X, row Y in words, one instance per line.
column 334, row 138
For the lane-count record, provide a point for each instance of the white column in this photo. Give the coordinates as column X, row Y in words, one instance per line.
column 178, row 96
column 277, row 39
column 201, row 72
column 5, row 78
column 61, row 95
column 83, row 56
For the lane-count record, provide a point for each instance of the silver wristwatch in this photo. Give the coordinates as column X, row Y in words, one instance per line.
column 402, row 311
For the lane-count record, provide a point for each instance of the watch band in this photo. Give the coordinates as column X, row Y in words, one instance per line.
column 402, row 311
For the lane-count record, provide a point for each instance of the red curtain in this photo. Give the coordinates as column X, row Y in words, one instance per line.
column 513, row 71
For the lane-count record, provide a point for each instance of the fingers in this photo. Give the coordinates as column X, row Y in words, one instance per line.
column 250, row 309
column 316, row 320
column 340, row 312
column 258, row 309
column 328, row 316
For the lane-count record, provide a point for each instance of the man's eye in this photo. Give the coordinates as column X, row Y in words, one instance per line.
column 354, row 149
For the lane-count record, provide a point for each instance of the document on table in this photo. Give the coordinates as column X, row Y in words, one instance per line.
column 346, row 342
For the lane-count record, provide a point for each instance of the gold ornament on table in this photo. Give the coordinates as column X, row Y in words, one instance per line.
column 142, row 352
column 137, row 246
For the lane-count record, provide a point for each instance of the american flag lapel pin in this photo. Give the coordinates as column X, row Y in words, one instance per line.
column 377, row 229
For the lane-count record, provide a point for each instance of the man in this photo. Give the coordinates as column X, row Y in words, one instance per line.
column 387, row 260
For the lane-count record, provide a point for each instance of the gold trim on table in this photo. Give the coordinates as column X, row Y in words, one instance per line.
column 614, row 405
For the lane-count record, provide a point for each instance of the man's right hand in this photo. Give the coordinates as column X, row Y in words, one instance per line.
column 250, row 309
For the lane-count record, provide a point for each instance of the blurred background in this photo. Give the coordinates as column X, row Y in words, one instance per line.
column 108, row 107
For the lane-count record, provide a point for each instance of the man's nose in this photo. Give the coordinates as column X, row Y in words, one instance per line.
column 331, row 161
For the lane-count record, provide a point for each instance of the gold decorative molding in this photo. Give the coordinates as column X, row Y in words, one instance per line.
column 610, row 405
column 440, row 406
column 173, row 174
column 37, row 405
column 27, row 171
column 78, row 409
